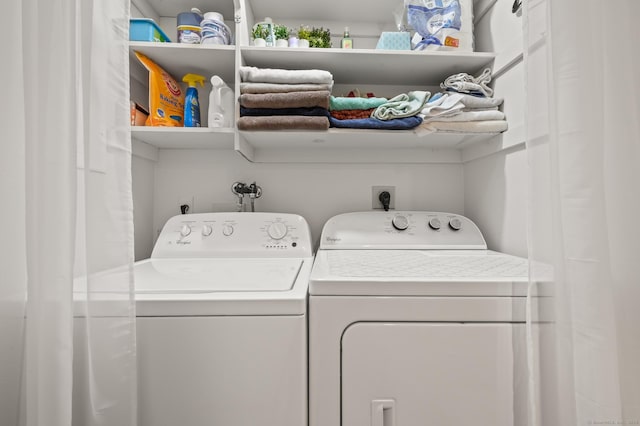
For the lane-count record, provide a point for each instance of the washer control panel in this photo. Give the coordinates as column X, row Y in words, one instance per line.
column 401, row 230
column 234, row 235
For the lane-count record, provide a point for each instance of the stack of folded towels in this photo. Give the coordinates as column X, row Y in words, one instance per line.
column 277, row 99
column 398, row 113
column 466, row 106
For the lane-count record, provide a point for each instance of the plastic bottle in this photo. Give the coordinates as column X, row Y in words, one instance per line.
column 346, row 42
column 221, row 104
column 189, row 30
column 191, row 103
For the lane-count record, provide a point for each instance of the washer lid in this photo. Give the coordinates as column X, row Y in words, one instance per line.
column 215, row 275
column 418, row 273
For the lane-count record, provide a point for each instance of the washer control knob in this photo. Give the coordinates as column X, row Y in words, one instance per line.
column 401, row 223
column 277, row 230
column 434, row 223
column 185, row 230
column 206, row 230
column 455, row 224
column 227, row 230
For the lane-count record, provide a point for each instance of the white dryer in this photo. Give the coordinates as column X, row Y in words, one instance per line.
column 413, row 322
column 221, row 321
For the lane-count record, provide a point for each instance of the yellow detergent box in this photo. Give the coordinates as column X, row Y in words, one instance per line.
column 394, row 41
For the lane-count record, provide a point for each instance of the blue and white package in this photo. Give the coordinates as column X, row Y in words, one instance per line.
column 440, row 24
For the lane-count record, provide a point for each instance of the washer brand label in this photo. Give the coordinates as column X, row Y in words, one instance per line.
column 333, row 240
column 183, row 242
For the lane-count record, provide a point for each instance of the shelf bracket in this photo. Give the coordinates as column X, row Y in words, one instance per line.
column 244, row 148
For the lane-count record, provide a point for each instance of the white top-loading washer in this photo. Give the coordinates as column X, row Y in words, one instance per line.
column 413, row 321
column 221, row 321
column 227, row 264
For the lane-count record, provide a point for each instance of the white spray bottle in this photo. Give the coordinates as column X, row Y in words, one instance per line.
column 221, row 104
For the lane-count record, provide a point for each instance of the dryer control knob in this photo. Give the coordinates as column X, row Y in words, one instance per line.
column 434, row 223
column 227, row 230
column 401, row 223
column 185, row 230
column 455, row 224
column 277, row 230
column 206, row 230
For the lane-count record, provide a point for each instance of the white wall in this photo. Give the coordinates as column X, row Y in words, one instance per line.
column 495, row 186
column 143, row 189
column 490, row 190
column 315, row 191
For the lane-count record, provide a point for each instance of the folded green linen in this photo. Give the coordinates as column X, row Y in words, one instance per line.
column 338, row 103
column 403, row 105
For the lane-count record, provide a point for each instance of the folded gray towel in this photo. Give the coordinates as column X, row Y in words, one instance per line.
column 283, row 122
column 286, row 100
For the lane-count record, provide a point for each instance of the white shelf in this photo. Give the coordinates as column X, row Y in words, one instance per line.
column 355, row 146
column 179, row 59
column 185, row 138
column 171, row 8
column 369, row 66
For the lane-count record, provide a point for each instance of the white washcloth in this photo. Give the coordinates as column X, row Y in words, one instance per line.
column 466, row 83
column 493, row 126
column 274, row 75
column 470, row 116
column 260, row 88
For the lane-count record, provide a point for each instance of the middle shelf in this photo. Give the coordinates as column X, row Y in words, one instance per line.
column 352, row 66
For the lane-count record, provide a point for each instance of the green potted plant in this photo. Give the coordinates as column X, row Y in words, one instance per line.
column 259, row 33
column 319, row 37
column 281, row 32
column 304, row 32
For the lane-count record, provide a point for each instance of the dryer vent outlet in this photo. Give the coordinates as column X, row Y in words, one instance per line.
column 376, row 204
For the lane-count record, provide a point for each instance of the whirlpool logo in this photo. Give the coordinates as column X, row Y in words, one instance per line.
column 333, row 240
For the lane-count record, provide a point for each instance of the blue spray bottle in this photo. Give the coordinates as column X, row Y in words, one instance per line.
column 191, row 103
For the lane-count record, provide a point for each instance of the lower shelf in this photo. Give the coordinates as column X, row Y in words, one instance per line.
column 356, row 146
column 185, row 138
column 332, row 146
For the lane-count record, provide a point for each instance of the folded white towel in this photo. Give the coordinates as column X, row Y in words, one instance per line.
column 274, row 75
column 260, row 88
column 493, row 126
column 479, row 109
column 452, row 103
column 447, row 104
column 470, row 116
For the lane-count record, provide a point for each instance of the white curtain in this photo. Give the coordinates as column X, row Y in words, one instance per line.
column 583, row 122
column 67, row 311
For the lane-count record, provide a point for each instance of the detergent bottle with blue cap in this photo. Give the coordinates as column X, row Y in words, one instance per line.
column 191, row 102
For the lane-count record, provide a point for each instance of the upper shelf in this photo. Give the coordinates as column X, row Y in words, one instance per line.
column 171, row 8
column 368, row 66
column 179, row 59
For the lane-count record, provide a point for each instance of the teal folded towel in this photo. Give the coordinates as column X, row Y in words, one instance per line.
column 403, row 105
column 342, row 103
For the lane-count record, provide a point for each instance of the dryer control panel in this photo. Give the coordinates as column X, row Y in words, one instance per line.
column 401, row 230
column 235, row 235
